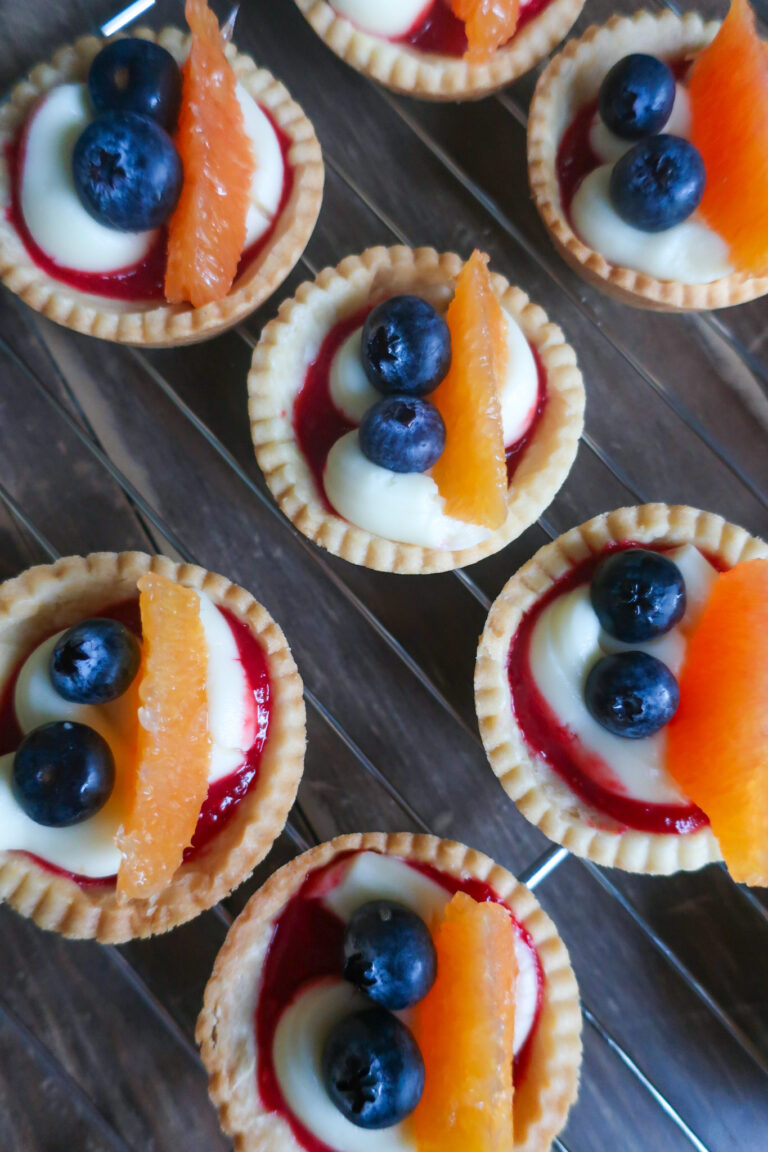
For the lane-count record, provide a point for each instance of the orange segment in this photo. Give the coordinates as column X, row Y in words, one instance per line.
column 717, row 744
column 729, row 109
column 488, row 24
column 207, row 230
column 471, row 474
column 174, row 746
column 465, row 1030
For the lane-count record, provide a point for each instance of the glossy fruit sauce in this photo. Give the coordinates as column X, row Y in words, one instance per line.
column 318, row 424
column 141, row 283
column 307, row 945
column 549, row 740
column 223, row 795
column 440, row 33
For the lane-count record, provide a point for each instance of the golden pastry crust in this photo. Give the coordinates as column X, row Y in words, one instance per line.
column 538, row 791
column 569, row 82
column 225, row 1029
column 433, row 77
column 164, row 325
column 50, row 597
column 290, row 342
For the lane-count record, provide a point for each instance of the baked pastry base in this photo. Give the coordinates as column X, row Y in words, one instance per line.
column 225, row 1029
column 539, row 793
column 569, row 82
column 163, row 325
column 290, row 343
column 45, row 599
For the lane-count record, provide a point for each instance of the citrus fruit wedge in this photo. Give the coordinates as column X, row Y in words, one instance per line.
column 488, row 25
column 471, row 474
column 173, row 745
column 465, row 1030
column 206, row 233
column 728, row 88
column 717, row 743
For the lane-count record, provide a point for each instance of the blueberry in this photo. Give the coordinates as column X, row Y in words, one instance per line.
column 135, row 75
column 638, row 594
column 63, row 773
column 389, row 954
column 406, row 346
column 658, row 183
column 94, row 662
column 127, row 172
column 402, row 434
column 631, row 694
column 372, row 1069
column 637, row 96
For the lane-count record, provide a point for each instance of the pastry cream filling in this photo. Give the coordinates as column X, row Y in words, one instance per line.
column 568, row 640
column 387, row 18
column 305, row 1024
column 89, row 849
column 689, row 252
column 407, row 507
column 55, row 216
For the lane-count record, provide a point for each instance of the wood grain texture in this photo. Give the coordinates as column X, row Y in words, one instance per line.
column 96, row 1047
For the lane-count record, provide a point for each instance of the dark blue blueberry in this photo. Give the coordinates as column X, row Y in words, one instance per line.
column 638, row 594
column 135, row 75
column 631, row 694
column 636, row 96
column 127, row 172
column 94, row 662
column 406, row 346
column 372, row 1069
column 658, row 183
column 63, row 773
column 389, row 954
column 402, row 434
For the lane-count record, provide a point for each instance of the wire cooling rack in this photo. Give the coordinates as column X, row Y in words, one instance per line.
column 694, row 389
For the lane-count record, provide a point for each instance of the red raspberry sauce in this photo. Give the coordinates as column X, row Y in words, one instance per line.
column 441, row 33
column 223, row 795
column 552, row 742
column 139, row 283
column 307, row 945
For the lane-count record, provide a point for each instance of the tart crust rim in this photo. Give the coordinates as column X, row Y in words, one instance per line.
column 225, row 1030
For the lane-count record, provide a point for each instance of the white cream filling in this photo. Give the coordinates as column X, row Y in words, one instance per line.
column 389, row 19
column 90, row 849
column 567, row 641
column 689, row 252
column 55, row 216
column 307, row 1021
column 407, row 507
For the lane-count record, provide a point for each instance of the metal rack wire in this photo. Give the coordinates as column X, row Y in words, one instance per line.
column 299, row 828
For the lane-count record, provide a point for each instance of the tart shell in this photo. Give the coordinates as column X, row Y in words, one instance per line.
column 225, row 1029
column 47, row 598
column 163, row 325
column 431, row 76
column 539, row 793
column 291, row 342
column 570, row 81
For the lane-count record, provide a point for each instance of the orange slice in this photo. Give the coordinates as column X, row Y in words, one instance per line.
column 174, row 746
column 206, row 233
column 729, row 109
column 488, row 24
column 465, row 1030
column 471, row 474
column 717, row 744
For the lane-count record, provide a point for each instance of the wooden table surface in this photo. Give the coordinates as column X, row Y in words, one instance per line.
column 105, row 448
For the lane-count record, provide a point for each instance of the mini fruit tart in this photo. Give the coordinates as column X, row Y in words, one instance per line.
column 648, row 158
column 152, row 729
column 113, row 160
column 392, row 992
column 413, row 414
column 442, row 49
column 618, row 688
